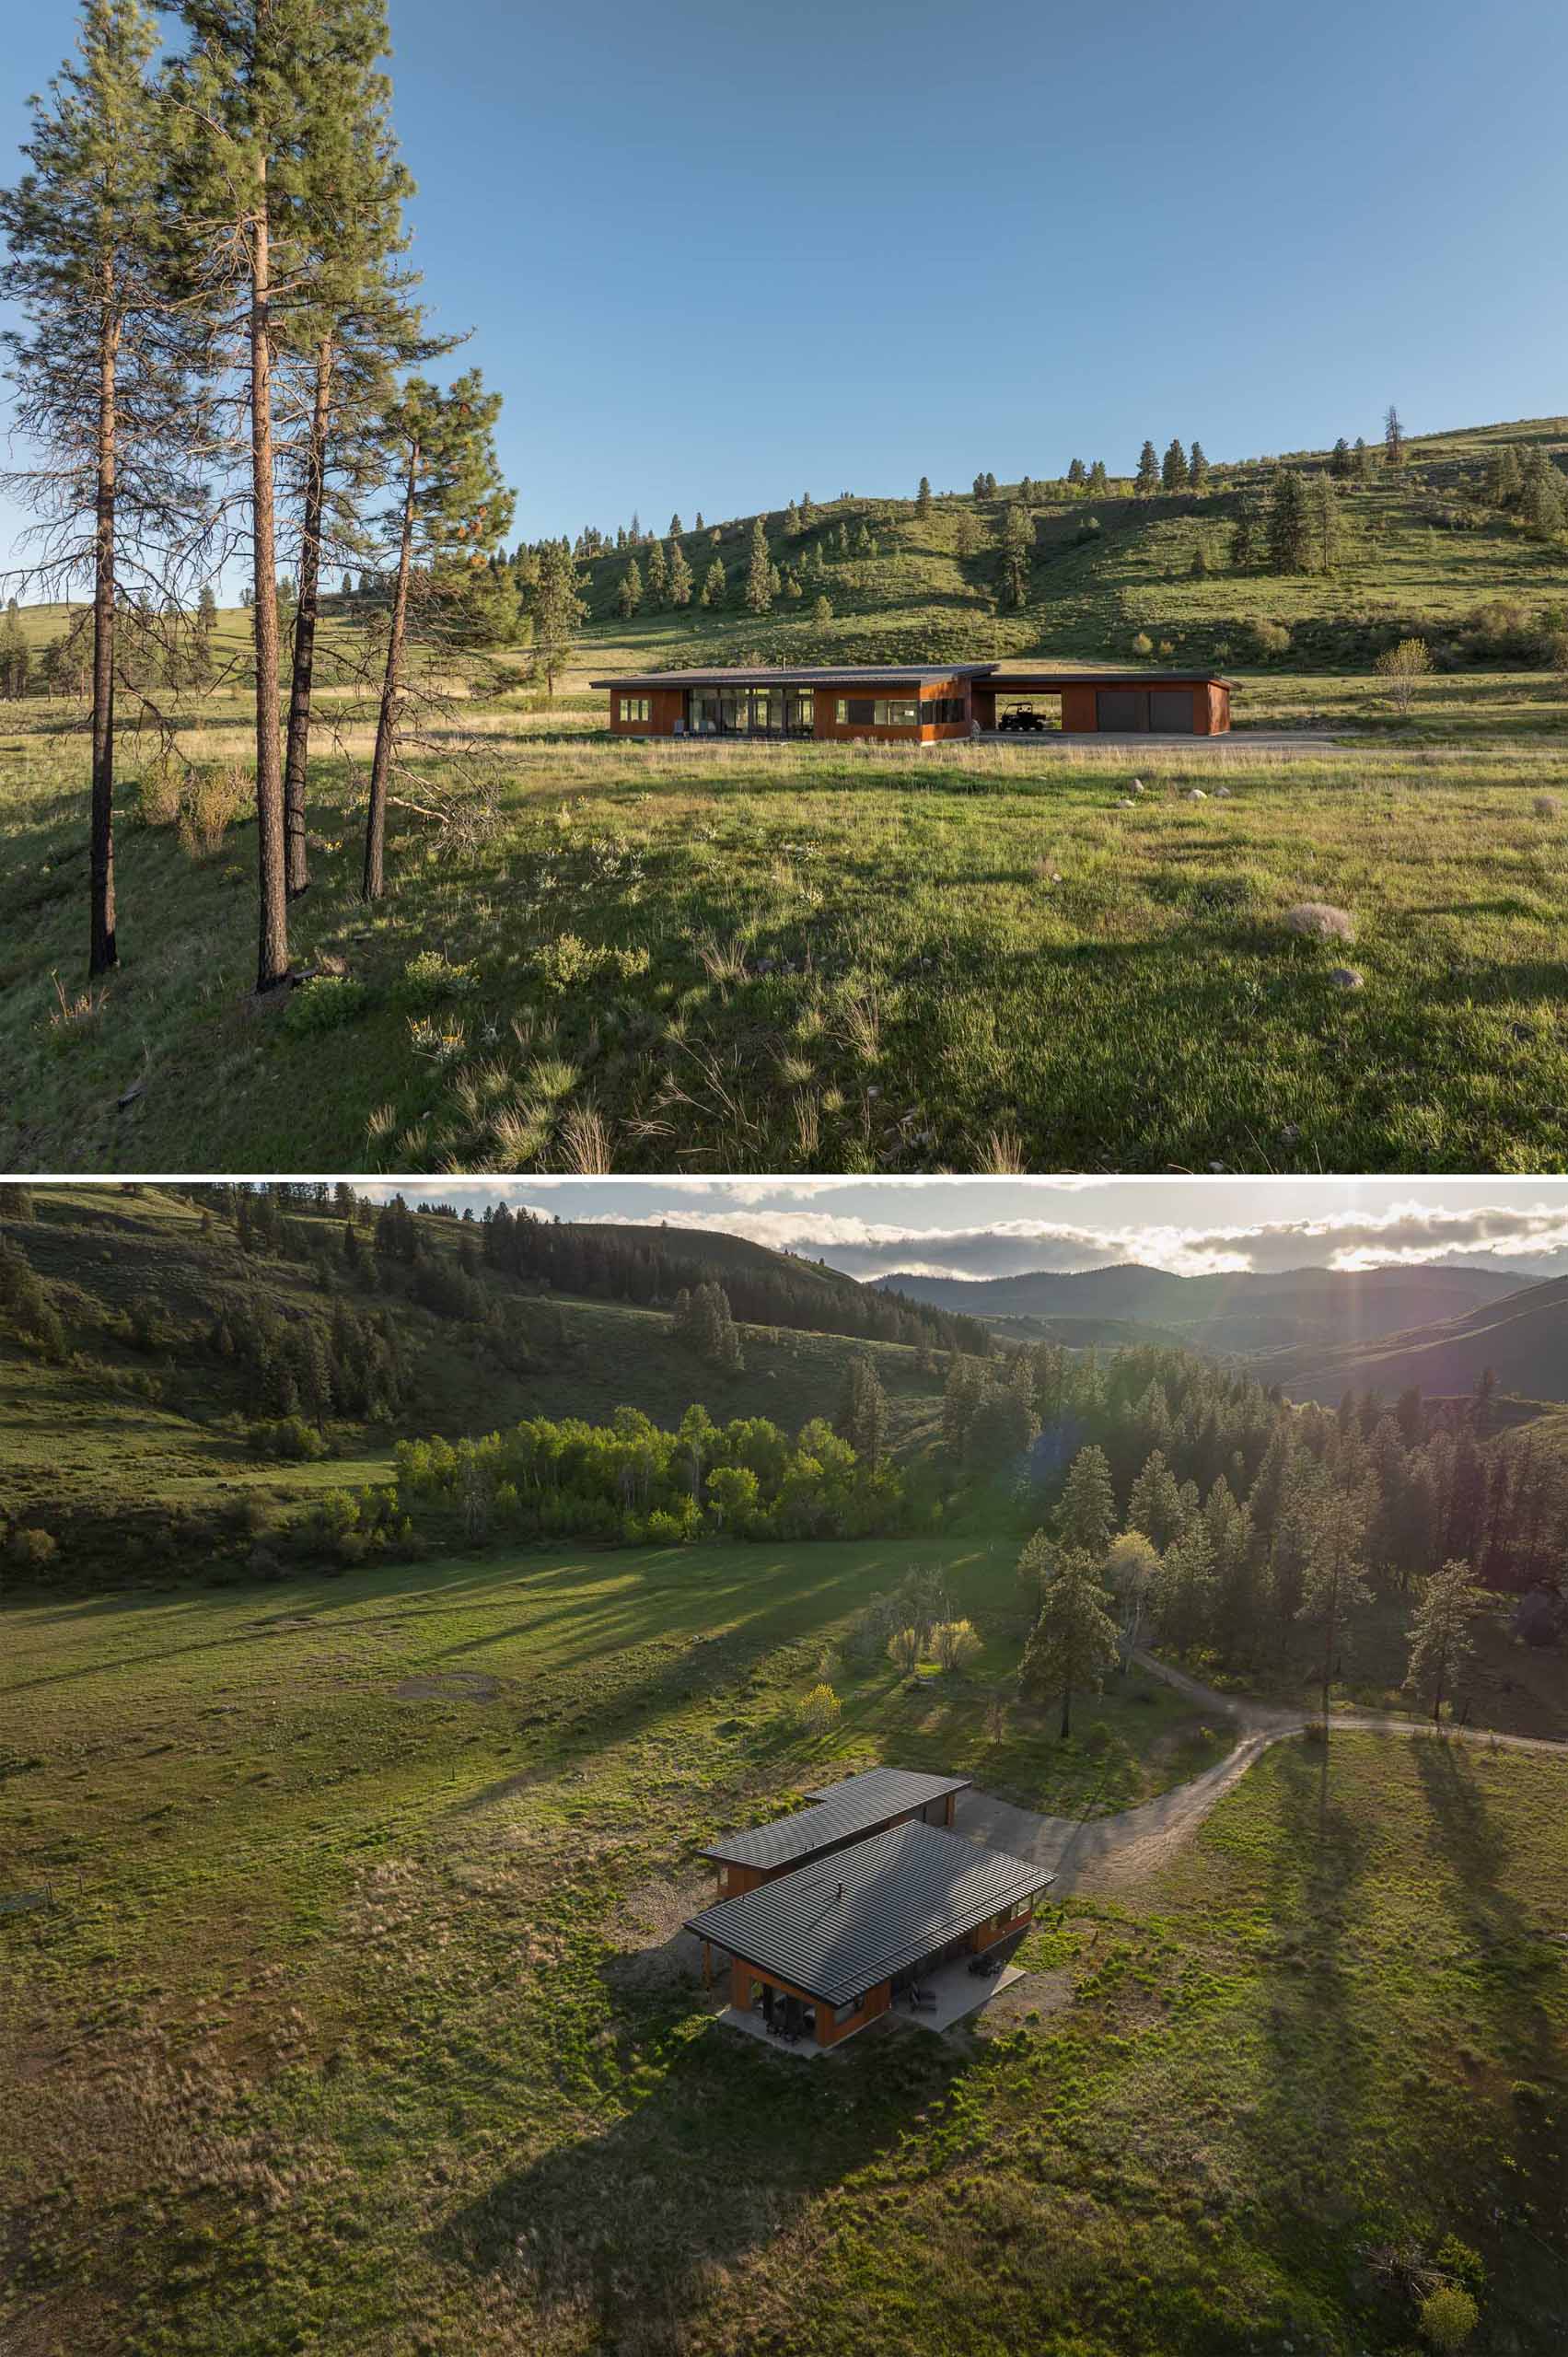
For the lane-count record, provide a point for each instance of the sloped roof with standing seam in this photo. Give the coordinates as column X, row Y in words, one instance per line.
column 859, row 1804
column 837, row 1928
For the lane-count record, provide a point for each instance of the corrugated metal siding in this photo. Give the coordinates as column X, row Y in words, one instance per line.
column 838, row 1928
column 859, row 1804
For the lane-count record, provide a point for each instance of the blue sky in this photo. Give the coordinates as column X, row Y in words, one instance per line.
column 718, row 255
column 974, row 1227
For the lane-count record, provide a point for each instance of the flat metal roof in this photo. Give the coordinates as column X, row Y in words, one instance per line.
column 772, row 675
column 859, row 1804
column 991, row 675
column 839, row 1927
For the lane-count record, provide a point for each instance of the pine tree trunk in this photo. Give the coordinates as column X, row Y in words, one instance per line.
column 298, row 755
column 375, row 815
column 103, row 953
column 272, row 954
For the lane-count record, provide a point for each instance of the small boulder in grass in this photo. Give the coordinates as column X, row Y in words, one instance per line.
column 1346, row 978
column 1315, row 920
column 1196, row 794
column 1547, row 806
column 1138, row 786
column 1222, row 793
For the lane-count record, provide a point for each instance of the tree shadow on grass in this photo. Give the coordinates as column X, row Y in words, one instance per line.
column 1514, row 1971
column 629, row 2225
column 1317, row 2045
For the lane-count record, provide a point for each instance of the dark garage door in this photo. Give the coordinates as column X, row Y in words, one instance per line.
column 1122, row 711
column 1170, row 711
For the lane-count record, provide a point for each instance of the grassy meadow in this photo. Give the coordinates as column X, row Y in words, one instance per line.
column 815, row 959
column 355, row 2019
column 844, row 958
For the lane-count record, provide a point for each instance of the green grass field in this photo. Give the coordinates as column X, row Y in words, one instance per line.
column 352, row 2022
column 858, row 958
column 829, row 959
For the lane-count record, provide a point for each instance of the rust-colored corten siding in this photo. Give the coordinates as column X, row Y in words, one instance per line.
column 996, row 1927
column 937, row 732
column 1080, row 713
column 1218, row 717
column 667, row 710
column 829, row 2031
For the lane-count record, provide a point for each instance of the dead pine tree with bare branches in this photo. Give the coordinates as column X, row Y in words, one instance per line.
column 104, row 369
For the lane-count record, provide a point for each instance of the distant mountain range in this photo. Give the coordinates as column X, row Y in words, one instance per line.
column 1317, row 1332
column 1242, row 1313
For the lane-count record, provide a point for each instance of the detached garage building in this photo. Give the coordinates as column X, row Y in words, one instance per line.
column 834, row 1941
column 919, row 704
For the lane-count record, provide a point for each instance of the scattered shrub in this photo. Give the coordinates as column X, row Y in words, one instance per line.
column 820, row 1710
column 567, row 963
column 430, row 977
column 324, row 1003
column 1403, row 665
column 1317, row 920
column 1142, row 646
column 1270, row 639
column 211, row 800
column 903, row 1649
column 288, row 1437
column 955, row 1644
column 32, row 1550
column 1448, row 2316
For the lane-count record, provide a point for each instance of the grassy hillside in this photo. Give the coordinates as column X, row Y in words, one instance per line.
column 1422, row 552
column 357, row 2016
column 1524, row 1341
column 140, row 1451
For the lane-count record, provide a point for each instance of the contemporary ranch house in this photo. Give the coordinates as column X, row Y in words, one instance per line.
column 826, row 1948
column 917, row 704
column 840, row 1814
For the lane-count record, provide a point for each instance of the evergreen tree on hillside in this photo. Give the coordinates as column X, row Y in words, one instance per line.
column 862, row 1419
column 101, row 358
column 1442, row 1638
column 1335, row 1584
column 923, row 497
column 716, row 581
column 792, row 520
column 1341, row 465
column 658, row 574
column 1324, row 524
column 759, row 573
column 1099, row 482
column 1077, row 473
column 1505, row 480
column 558, row 608
column 1073, row 1643
column 629, row 597
column 679, row 576
column 453, row 508
column 1393, row 438
column 1017, row 553
column 1542, row 497
column 1287, row 533
column 1086, row 1517
column 1198, row 467
column 675, row 525
column 1363, row 458
column 1173, row 470
column 1147, row 481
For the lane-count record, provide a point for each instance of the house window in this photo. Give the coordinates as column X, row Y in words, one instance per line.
column 636, row 707
column 1020, row 1907
column 942, row 709
column 878, row 712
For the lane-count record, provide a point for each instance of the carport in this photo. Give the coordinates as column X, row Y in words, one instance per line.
column 1109, row 703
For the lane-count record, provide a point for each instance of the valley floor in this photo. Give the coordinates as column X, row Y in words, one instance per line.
column 400, row 2055
column 820, row 958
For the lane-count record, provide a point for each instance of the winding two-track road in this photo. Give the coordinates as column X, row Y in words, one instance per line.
column 1108, row 1852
